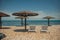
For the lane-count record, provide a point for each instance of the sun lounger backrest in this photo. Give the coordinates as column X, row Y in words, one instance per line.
column 44, row 27
column 32, row 27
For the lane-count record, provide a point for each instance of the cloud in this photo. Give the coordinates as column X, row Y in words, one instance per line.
column 40, row 16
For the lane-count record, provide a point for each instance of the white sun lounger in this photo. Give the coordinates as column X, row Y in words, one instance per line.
column 44, row 29
column 31, row 29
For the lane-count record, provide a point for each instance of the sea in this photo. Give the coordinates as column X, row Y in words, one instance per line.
column 29, row 22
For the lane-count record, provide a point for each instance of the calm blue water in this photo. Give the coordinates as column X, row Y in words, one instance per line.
column 29, row 22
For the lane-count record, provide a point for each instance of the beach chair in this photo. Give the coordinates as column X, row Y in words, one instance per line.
column 31, row 29
column 2, row 36
column 44, row 29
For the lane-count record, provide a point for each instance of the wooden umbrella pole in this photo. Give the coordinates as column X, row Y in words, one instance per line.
column 48, row 22
column 0, row 23
column 25, row 23
column 21, row 21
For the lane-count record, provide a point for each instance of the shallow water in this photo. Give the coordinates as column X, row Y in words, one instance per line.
column 29, row 22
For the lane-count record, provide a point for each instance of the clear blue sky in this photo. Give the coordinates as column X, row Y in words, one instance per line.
column 42, row 7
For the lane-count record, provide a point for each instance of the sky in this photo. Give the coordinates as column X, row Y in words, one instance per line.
column 42, row 7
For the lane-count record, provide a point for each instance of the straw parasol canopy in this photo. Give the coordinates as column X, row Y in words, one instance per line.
column 2, row 15
column 25, row 14
column 19, row 17
column 48, row 17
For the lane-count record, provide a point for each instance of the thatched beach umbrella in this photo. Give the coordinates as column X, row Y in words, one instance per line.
column 21, row 17
column 25, row 14
column 2, row 15
column 48, row 17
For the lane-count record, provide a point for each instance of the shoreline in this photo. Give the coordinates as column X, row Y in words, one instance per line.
column 31, row 25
